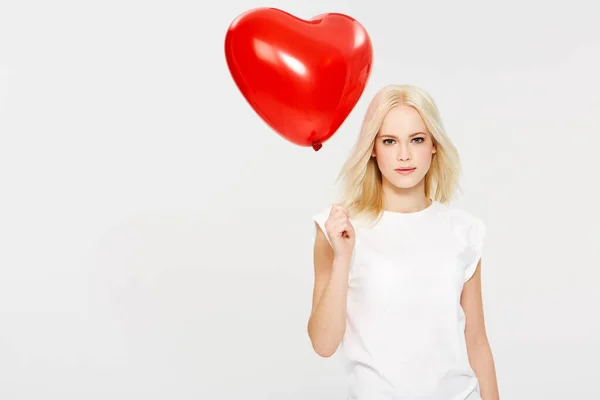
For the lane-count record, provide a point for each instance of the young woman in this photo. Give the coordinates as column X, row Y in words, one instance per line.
column 397, row 269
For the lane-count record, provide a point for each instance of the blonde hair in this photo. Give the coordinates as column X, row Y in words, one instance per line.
column 360, row 175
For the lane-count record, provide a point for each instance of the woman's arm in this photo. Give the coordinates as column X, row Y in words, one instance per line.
column 327, row 322
column 478, row 347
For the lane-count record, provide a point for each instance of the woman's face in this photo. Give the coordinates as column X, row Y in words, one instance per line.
column 403, row 142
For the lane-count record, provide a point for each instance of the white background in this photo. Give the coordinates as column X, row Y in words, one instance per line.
column 155, row 233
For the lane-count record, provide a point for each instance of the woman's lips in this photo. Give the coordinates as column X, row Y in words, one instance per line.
column 404, row 171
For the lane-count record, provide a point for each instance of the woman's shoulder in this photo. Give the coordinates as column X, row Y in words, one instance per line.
column 460, row 216
column 460, row 212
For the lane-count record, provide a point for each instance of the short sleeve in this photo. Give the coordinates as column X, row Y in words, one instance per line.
column 319, row 219
column 476, row 236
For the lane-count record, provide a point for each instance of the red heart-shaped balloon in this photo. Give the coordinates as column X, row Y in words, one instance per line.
column 302, row 77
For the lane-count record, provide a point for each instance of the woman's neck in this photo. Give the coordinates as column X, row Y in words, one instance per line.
column 405, row 200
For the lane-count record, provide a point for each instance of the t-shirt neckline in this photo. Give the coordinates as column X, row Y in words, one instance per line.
column 414, row 214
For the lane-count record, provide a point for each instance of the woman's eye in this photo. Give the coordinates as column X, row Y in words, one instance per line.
column 420, row 139
column 388, row 141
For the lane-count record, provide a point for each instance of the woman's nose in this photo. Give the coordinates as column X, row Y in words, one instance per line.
column 403, row 153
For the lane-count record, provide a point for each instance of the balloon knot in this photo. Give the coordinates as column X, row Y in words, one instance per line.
column 317, row 146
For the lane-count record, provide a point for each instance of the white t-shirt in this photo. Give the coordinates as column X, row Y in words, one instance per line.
column 405, row 326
